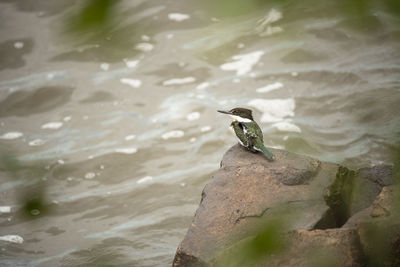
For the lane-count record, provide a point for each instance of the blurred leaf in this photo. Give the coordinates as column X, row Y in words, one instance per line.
column 356, row 7
column 94, row 15
column 265, row 241
column 34, row 206
column 32, row 193
column 268, row 241
column 394, row 6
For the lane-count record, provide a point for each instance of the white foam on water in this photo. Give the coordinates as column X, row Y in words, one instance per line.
column 5, row 209
column 35, row 212
column 19, row 45
column 285, row 126
column 145, row 179
column 131, row 63
column 130, row 137
column 145, row 38
column 193, row 116
column 243, row 63
column 178, row 81
column 61, row 161
column 144, row 47
column 205, row 129
column 178, row 17
column 172, row 134
column 126, row 150
column 12, row 238
column 269, row 87
column 90, row 175
column 270, row 30
column 272, row 16
column 131, row 82
column 169, row 36
column 192, row 140
column 36, row 142
column 203, row 85
column 294, row 73
column 50, row 76
column 274, row 110
column 67, row 118
column 52, row 125
column 200, row 96
column 105, row 66
column 264, row 27
column 240, row 45
column 11, row 135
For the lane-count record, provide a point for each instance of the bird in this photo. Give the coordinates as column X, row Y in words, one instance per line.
column 247, row 130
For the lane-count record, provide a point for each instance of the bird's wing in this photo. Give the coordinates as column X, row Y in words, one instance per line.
column 238, row 128
column 252, row 130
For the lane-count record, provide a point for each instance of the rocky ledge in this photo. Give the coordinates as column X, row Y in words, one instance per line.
column 294, row 211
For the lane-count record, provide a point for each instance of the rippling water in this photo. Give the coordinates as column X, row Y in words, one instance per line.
column 119, row 133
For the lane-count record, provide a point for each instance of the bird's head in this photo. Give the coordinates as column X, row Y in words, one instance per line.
column 239, row 114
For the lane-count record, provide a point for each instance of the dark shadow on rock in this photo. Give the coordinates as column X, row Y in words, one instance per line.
column 23, row 103
column 12, row 57
column 353, row 191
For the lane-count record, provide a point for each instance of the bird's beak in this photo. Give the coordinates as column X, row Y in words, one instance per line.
column 225, row 112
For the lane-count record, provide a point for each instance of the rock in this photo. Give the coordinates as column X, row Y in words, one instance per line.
column 353, row 191
column 368, row 184
column 318, row 247
column 378, row 227
column 249, row 189
column 304, row 248
column 254, row 203
column 385, row 204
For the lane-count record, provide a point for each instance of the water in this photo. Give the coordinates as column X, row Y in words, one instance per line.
column 118, row 134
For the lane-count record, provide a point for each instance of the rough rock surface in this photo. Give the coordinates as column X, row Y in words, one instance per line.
column 317, row 247
column 303, row 192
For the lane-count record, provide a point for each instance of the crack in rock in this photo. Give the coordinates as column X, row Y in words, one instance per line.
column 251, row 216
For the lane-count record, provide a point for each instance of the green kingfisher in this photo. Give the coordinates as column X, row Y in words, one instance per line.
column 247, row 130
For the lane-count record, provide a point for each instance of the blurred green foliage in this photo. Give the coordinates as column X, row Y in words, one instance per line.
column 93, row 15
column 31, row 196
column 97, row 15
column 267, row 241
column 264, row 241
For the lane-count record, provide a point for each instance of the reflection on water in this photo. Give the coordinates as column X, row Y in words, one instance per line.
column 114, row 134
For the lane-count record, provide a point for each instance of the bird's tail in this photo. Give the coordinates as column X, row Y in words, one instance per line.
column 267, row 153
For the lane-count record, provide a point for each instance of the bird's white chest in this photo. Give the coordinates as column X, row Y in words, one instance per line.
column 239, row 119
